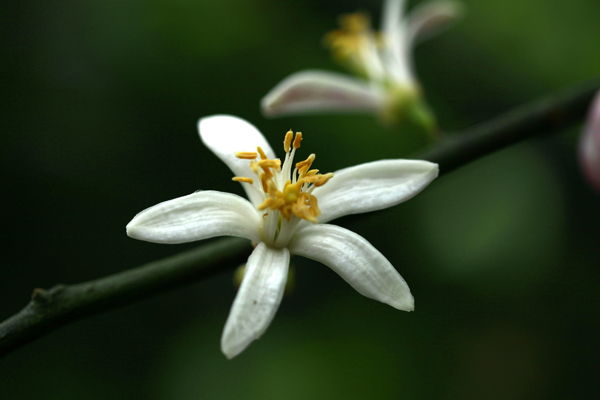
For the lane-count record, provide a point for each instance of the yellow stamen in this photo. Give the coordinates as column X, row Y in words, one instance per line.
column 264, row 186
column 355, row 22
column 303, row 166
column 265, row 176
column 272, row 189
column 297, row 139
column 269, row 163
column 246, row 155
column 288, row 141
column 324, row 179
column 314, row 206
column 263, row 156
column 302, row 211
column 243, row 179
column 349, row 43
column 271, row 203
column 311, row 178
column 264, row 179
column 292, row 200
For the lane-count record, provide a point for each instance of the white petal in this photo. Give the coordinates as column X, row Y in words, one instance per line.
column 356, row 261
column 371, row 59
column 225, row 135
column 198, row 216
column 257, row 300
column 399, row 60
column 429, row 19
column 391, row 16
column 373, row 186
column 396, row 53
column 321, row 92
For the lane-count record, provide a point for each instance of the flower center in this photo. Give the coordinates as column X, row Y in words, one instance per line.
column 354, row 41
column 291, row 197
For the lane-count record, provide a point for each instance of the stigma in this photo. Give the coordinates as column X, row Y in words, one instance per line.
column 286, row 191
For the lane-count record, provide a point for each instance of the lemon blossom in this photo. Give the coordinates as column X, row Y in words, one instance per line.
column 384, row 59
column 289, row 205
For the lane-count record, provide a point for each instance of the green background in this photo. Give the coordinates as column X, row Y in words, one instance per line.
column 100, row 102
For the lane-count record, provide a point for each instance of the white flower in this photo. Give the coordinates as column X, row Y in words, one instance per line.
column 391, row 88
column 281, row 217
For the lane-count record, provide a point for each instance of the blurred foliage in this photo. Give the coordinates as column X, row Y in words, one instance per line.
column 100, row 102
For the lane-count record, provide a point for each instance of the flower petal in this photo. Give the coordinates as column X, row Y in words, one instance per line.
column 319, row 91
column 397, row 51
column 226, row 135
column 373, row 186
column 257, row 300
column 198, row 216
column 428, row 19
column 391, row 15
column 356, row 261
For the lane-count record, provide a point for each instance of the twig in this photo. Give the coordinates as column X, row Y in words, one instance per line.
column 63, row 304
column 541, row 117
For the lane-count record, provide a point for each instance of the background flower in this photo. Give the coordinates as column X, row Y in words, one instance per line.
column 383, row 58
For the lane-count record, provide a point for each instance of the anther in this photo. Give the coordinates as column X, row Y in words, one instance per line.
column 303, row 166
column 288, row 141
column 314, row 206
column 243, row 179
column 311, row 178
column 355, row 22
column 271, row 203
column 302, row 211
column 264, row 184
column 324, row 179
column 271, row 188
column 297, row 139
column 246, row 155
column 270, row 163
column 263, row 156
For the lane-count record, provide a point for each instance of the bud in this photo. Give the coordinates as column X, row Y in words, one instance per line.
column 589, row 146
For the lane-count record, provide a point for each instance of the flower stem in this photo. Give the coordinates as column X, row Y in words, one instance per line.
column 63, row 304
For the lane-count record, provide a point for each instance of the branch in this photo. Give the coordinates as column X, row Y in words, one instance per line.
column 541, row 117
column 63, row 304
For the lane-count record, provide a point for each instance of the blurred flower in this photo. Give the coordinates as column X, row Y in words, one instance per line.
column 391, row 88
column 281, row 217
column 589, row 145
